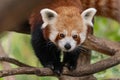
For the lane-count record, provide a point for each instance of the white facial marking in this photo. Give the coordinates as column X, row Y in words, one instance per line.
column 64, row 41
column 83, row 34
column 44, row 25
column 88, row 15
column 74, row 32
column 82, row 37
column 53, row 35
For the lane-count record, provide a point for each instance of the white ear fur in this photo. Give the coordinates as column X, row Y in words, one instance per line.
column 88, row 15
column 48, row 16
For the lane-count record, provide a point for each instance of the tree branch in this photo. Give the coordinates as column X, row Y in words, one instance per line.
column 97, row 67
column 100, row 45
column 27, row 70
column 83, row 71
column 14, row 61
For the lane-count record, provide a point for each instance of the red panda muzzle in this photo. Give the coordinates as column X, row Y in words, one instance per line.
column 67, row 46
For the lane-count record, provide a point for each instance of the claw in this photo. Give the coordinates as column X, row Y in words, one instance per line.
column 58, row 69
column 57, row 72
column 71, row 68
column 51, row 66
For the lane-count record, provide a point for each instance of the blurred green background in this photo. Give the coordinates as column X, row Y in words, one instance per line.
column 18, row 46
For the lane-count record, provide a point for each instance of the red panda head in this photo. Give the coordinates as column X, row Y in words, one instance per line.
column 67, row 30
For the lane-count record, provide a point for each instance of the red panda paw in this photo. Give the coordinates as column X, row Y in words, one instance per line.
column 49, row 66
column 58, row 68
column 72, row 67
column 55, row 67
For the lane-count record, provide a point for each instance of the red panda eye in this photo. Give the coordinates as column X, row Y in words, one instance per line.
column 75, row 36
column 61, row 35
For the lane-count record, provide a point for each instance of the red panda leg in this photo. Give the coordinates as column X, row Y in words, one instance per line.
column 70, row 60
column 46, row 51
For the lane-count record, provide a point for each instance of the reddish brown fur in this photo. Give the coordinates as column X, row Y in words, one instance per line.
column 107, row 8
column 46, row 32
column 58, row 38
column 69, row 17
column 77, row 39
column 69, row 23
column 62, row 7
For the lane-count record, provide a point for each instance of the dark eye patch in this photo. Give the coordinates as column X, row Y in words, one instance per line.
column 60, row 36
column 76, row 37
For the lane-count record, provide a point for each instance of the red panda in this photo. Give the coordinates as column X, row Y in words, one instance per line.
column 60, row 26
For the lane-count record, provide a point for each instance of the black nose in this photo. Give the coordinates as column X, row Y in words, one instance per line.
column 67, row 46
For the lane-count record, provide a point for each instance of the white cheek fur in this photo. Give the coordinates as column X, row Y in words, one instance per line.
column 53, row 36
column 83, row 37
column 83, row 34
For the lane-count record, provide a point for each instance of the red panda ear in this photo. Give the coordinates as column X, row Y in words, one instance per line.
column 88, row 15
column 48, row 16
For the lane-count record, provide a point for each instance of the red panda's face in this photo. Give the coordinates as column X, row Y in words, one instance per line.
column 67, row 31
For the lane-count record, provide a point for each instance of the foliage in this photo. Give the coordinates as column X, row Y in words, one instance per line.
column 109, row 29
column 19, row 47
